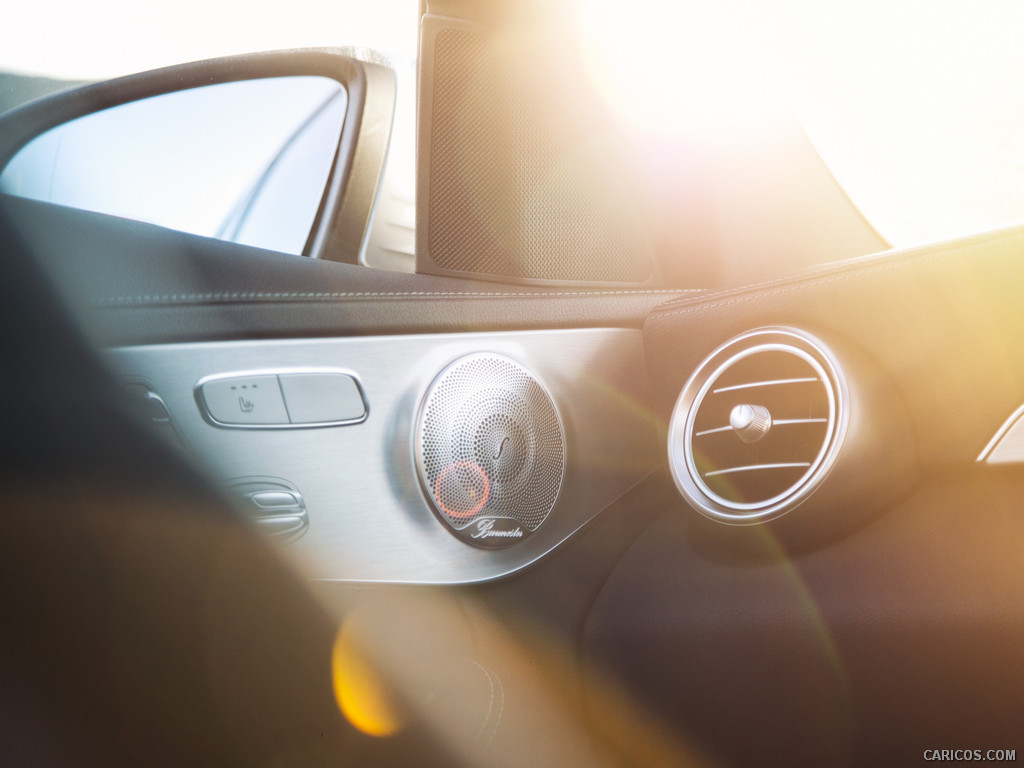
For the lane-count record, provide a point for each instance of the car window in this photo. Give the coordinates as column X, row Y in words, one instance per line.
column 44, row 49
column 243, row 161
column 912, row 104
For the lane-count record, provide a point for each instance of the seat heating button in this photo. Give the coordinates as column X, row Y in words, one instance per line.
column 245, row 400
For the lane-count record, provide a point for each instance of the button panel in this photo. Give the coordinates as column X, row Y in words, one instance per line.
column 314, row 398
column 245, row 400
column 282, row 401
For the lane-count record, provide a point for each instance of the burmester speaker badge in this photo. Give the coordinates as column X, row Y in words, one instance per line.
column 490, row 450
column 496, row 528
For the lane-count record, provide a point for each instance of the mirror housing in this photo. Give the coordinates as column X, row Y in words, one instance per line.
column 341, row 224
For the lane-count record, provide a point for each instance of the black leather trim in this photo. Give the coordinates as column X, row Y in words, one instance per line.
column 135, row 283
column 901, row 638
column 944, row 322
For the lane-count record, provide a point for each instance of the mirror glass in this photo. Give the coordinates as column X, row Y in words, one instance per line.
column 244, row 161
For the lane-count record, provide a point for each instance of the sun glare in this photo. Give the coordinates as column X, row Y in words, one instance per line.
column 912, row 104
column 680, row 67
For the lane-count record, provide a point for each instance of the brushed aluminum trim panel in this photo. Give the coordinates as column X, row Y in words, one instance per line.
column 369, row 518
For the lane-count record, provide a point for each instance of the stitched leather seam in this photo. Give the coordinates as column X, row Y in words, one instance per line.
column 172, row 298
column 710, row 302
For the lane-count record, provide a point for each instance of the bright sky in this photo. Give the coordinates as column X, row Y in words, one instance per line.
column 916, row 105
column 96, row 39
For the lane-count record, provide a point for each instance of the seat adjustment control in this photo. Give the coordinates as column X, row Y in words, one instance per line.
column 274, row 505
column 283, row 400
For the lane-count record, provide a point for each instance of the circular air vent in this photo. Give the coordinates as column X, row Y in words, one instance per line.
column 758, row 426
column 490, row 450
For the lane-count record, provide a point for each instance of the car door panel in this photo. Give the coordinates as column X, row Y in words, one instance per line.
column 136, row 283
column 369, row 517
column 942, row 322
column 893, row 628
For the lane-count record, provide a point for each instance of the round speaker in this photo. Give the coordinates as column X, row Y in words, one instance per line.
column 490, row 450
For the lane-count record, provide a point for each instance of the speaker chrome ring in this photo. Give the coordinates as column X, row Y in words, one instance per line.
column 489, row 446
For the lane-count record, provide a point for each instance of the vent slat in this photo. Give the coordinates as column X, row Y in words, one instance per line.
column 775, row 422
column 754, row 467
column 771, row 383
column 713, row 431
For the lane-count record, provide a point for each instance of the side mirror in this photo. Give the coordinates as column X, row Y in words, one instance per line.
column 280, row 150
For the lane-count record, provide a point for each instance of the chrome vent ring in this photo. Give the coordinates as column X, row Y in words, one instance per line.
column 758, row 426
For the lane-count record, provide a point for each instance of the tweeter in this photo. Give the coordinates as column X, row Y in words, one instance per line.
column 490, row 450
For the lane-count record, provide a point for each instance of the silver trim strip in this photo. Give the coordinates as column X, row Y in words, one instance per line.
column 1012, row 455
column 751, row 467
column 771, row 383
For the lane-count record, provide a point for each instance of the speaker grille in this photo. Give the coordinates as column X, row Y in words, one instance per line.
column 517, row 192
column 490, row 445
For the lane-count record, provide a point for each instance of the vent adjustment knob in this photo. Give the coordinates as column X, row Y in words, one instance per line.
column 750, row 422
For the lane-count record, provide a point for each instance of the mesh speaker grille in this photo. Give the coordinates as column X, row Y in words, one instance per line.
column 512, row 194
column 490, row 444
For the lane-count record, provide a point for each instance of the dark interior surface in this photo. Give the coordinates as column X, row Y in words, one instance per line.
column 857, row 653
column 188, row 288
column 146, row 623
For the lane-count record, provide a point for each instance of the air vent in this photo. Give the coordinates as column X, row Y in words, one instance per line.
column 758, row 426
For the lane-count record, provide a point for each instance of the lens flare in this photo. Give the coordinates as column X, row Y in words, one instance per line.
column 360, row 691
column 466, row 483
